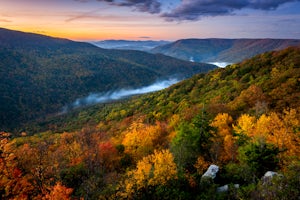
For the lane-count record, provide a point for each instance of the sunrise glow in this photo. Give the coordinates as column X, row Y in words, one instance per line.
column 157, row 20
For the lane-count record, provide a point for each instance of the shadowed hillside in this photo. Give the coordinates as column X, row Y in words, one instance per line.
column 39, row 74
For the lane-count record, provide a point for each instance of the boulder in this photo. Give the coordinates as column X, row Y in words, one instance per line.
column 211, row 171
column 269, row 175
column 225, row 188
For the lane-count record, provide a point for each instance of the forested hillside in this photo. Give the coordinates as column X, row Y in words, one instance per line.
column 222, row 50
column 39, row 75
column 243, row 118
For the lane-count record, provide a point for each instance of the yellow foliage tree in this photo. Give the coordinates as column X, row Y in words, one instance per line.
column 245, row 125
column 281, row 130
column 155, row 169
column 223, row 148
column 141, row 139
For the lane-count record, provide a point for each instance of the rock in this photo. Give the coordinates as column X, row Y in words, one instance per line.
column 211, row 171
column 269, row 175
column 225, row 188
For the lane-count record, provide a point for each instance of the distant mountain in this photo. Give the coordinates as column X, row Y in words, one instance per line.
column 129, row 44
column 222, row 50
column 40, row 74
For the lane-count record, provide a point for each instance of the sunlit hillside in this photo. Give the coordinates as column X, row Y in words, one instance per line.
column 243, row 118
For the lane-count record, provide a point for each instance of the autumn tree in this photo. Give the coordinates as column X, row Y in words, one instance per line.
column 251, row 98
column 13, row 183
column 153, row 170
column 224, row 146
column 59, row 192
column 140, row 139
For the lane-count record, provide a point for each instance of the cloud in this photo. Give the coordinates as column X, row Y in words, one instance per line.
column 150, row 6
column 83, row 15
column 196, row 9
column 5, row 20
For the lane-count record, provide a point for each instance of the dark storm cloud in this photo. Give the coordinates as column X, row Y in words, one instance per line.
column 195, row 9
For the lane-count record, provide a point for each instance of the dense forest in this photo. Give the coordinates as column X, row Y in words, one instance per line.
column 243, row 120
column 39, row 75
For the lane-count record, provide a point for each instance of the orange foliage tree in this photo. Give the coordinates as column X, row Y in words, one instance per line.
column 13, row 184
column 59, row 192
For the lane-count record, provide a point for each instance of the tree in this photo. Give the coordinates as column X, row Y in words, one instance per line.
column 154, row 170
column 281, row 130
column 59, row 192
column 141, row 139
column 191, row 140
column 260, row 157
column 224, row 146
column 13, row 183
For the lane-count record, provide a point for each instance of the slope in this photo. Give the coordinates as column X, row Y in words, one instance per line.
column 265, row 83
column 41, row 74
column 244, row 118
column 222, row 50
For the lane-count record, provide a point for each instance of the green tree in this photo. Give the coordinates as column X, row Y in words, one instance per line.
column 260, row 157
column 191, row 139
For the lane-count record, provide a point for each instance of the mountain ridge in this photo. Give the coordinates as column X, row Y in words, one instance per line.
column 142, row 45
column 265, row 83
column 41, row 74
column 222, row 50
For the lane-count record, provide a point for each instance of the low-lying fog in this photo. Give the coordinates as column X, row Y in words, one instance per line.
column 220, row 64
column 95, row 98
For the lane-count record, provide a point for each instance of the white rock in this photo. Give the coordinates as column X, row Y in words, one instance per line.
column 270, row 174
column 211, row 171
column 225, row 188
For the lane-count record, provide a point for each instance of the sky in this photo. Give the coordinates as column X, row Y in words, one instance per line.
column 92, row 20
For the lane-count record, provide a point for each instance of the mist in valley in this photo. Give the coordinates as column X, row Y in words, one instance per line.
column 105, row 97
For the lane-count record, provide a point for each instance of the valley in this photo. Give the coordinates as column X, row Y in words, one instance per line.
column 82, row 122
column 40, row 74
column 217, row 50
